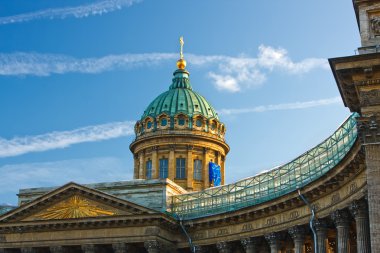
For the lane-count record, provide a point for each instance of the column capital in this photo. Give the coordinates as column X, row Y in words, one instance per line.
column 88, row 248
column 28, row 250
column 120, row 247
column 152, row 245
column 199, row 249
column 249, row 242
column 297, row 232
column 58, row 249
column 341, row 217
column 369, row 129
column 359, row 208
column 273, row 238
column 320, row 225
column 223, row 247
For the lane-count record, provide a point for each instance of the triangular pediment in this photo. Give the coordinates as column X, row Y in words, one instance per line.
column 74, row 201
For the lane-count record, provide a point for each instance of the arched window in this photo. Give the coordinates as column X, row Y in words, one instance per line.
column 149, row 124
column 181, row 120
column 199, row 122
column 148, row 168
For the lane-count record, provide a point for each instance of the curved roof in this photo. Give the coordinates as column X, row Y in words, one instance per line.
column 180, row 98
column 272, row 184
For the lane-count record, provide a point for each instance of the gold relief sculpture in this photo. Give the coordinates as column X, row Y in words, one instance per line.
column 73, row 208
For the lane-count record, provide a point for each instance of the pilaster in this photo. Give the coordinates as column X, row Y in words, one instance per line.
column 224, row 247
column 359, row 210
column 171, row 163
column 189, row 168
column 154, row 162
column 298, row 234
column 141, row 165
column 205, row 167
column 369, row 133
column 152, row 246
column 341, row 219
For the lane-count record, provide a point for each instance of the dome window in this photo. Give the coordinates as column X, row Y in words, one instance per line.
column 181, row 105
column 164, row 122
column 149, row 125
column 181, row 121
column 198, row 123
column 213, row 126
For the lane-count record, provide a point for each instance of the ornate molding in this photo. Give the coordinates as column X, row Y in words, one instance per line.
column 73, row 208
column 375, row 25
column 369, row 131
column 369, row 97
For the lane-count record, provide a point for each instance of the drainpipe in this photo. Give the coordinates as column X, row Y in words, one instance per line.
column 192, row 246
column 312, row 218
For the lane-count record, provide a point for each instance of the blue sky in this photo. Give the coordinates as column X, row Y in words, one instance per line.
column 76, row 75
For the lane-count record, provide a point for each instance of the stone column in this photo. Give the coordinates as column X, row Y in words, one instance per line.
column 171, row 163
column 205, row 168
column 155, row 172
column 224, row 247
column 250, row 244
column 298, row 234
column 152, row 246
column 274, row 241
column 88, row 248
column 369, row 134
column 189, row 168
column 321, row 230
column 58, row 249
column 359, row 210
column 341, row 219
column 120, row 247
column 141, row 165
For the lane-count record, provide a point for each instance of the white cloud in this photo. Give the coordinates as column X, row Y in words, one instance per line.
column 231, row 74
column 81, row 11
column 63, row 139
column 35, row 64
column 56, row 173
column 279, row 107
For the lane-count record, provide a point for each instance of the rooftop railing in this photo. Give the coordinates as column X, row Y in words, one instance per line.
column 272, row 184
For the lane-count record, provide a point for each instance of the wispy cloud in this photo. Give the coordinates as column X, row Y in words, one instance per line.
column 230, row 74
column 56, row 173
column 280, row 107
column 63, row 139
column 81, row 11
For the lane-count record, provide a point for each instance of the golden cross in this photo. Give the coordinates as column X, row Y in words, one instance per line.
column 181, row 43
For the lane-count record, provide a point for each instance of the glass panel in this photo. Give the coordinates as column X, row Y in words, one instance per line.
column 164, row 122
column 198, row 123
column 181, row 121
column 180, row 168
column 149, row 125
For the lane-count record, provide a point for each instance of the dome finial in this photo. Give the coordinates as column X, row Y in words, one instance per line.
column 181, row 63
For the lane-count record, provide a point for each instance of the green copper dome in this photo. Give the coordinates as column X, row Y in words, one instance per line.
column 180, row 98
